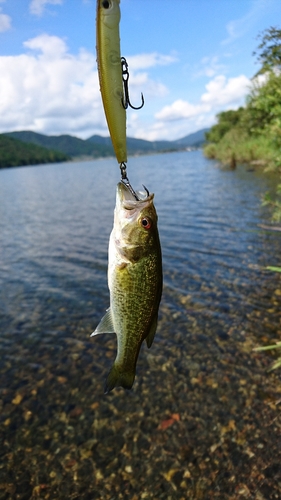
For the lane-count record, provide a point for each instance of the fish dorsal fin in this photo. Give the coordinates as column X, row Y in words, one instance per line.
column 105, row 325
column 150, row 337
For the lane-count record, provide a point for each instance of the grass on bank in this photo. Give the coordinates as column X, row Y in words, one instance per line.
column 236, row 145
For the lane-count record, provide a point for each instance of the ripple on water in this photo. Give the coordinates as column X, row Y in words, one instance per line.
column 201, row 419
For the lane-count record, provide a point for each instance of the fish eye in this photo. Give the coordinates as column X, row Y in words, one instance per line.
column 146, row 223
column 106, row 4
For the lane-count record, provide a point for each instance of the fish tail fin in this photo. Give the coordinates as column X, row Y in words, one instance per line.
column 118, row 378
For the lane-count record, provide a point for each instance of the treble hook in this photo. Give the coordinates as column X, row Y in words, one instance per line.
column 125, row 77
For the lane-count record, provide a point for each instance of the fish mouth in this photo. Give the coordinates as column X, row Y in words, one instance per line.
column 126, row 193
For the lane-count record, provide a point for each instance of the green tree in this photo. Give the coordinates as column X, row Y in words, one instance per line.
column 253, row 133
column 269, row 50
column 263, row 110
column 14, row 153
column 264, row 101
column 226, row 121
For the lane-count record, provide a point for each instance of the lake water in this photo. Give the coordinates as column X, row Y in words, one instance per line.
column 202, row 415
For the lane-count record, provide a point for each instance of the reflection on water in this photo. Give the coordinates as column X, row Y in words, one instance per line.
column 202, row 404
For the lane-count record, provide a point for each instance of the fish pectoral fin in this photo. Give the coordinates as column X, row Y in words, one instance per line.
column 105, row 325
column 150, row 337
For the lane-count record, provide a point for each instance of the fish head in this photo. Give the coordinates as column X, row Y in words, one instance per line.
column 135, row 223
column 109, row 11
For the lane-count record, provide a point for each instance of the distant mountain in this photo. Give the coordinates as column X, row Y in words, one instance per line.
column 98, row 139
column 134, row 146
column 97, row 146
column 67, row 144
column 16, row 153
column 195, row 139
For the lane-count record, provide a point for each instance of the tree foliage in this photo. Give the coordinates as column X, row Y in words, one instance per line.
column 15, row 153
column 263, row 104
column 263, row 109
column 269, row 50
column 226, row 121
column 253, row 133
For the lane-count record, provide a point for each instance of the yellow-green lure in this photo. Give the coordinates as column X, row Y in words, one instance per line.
column 110, row 74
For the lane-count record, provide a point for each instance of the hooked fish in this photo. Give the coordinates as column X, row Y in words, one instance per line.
column 134, row 280
column 110, row 74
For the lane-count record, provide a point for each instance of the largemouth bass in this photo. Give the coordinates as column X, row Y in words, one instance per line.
column 134, row 280
column 110, row 73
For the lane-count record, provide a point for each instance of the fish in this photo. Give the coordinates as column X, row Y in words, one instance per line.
column 110, row 73
column 134, row 281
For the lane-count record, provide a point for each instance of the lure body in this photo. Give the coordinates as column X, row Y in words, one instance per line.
column 135, row 283
column 110, row 73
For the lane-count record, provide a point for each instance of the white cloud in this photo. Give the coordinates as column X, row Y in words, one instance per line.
column 50, row 46
column 222, row 91
column 221, row 94
column 179, row 110
column 50, row 90
column 167, row 130
column 37, row 7
column 144, row 61
column 5, row 22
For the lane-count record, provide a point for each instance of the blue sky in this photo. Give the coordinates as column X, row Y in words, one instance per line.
column 190, row 58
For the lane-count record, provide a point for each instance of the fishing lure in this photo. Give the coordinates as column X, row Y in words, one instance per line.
column 113, row 75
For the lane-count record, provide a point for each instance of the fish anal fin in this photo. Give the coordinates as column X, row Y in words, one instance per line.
column 117, row 378
column 105, row 325
column 150, row 337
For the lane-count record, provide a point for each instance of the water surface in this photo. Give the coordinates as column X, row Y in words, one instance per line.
column 202, row 415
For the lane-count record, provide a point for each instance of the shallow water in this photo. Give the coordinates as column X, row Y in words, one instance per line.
column 203, row 410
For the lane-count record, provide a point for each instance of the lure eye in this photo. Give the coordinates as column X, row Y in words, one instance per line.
column 146, row 223
column 106, row 4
